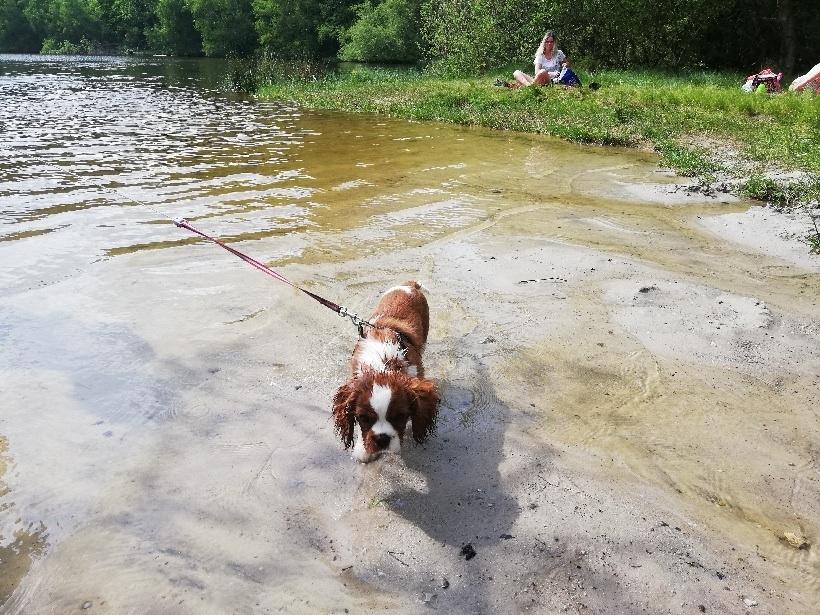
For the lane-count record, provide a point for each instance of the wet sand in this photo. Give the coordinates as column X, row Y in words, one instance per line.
column 646, row 436
column 630, row 388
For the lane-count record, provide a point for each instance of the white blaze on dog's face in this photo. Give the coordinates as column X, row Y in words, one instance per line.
column 382, row 413
column 373, row 413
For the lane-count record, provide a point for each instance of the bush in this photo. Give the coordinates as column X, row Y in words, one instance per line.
column 385, row 32
column 226, row 26
column 248, row 74
column 65, row 48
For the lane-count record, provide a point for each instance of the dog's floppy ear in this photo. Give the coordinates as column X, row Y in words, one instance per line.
column 424, row 402
column 344, row 412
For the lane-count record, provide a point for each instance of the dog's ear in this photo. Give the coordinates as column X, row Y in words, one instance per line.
column 424, row 406
column 344, row 412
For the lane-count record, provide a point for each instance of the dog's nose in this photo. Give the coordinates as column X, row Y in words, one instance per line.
column 382, row 440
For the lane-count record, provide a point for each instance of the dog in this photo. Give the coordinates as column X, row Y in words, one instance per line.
column 387, row 388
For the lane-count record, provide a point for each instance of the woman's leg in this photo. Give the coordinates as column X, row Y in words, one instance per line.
column 542, row 77
column 522, row 78
column 801, row 82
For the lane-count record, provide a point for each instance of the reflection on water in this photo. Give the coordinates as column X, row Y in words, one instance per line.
column 84, row 138
column 178, row 393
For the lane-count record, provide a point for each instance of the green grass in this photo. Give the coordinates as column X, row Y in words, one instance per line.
column 813, row 238
column 700, row 123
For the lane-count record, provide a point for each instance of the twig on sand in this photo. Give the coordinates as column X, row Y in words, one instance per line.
column 395, row 557
column 814, row 242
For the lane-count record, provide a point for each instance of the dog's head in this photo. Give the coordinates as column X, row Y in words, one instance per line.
column 382, row 403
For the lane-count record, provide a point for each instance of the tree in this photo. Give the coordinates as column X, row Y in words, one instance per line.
column 298, row 28
column 131, row 19
column 385, row 32
column 16, row 33
column 786, row 18
column 288, row 27
column 64, row 20
column 174, row 31
column 226, row 26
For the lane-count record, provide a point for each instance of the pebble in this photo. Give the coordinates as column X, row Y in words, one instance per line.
column 796, row 541
column 86, row 605
column 749, row 601
column 467, row 551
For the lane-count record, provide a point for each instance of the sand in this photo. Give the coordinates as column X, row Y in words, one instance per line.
column 614, row 438
column 629, row 399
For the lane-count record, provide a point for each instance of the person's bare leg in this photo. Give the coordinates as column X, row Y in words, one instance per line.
column 522, row 78
column 542, row 77
column 801, row 82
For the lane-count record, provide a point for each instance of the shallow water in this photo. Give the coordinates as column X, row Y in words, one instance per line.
column 164, row 443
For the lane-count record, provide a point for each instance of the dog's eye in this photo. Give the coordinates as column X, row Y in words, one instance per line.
column 365, row 420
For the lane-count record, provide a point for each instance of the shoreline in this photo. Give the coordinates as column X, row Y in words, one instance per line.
column 730, row 142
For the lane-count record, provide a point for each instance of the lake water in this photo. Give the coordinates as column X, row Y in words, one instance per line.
column 164, row 434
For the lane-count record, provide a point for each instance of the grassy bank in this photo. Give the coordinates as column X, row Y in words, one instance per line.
column 701, row 124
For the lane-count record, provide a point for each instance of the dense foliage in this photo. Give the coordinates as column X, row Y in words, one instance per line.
column 462, row 35
column 226, row 26
column 450, row 35
column 386, row 32
column 299, row 28
column 175, row 32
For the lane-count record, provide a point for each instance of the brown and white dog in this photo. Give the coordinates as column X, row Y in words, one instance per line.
column 387, row 386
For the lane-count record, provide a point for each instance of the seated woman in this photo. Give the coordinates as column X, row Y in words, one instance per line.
column 810, row 81
column 548, row 63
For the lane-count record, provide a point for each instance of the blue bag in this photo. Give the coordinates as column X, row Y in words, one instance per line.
column 568, row 77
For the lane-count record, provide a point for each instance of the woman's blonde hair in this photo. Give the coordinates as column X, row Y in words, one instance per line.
column 549, row 34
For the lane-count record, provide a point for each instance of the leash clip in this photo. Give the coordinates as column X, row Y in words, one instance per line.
column 354, row 318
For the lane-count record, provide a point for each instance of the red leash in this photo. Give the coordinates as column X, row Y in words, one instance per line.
column 340, row 310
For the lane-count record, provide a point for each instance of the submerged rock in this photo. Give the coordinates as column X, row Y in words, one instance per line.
column 795, row 540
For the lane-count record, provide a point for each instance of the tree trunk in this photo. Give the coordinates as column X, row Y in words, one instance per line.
column 787, row 43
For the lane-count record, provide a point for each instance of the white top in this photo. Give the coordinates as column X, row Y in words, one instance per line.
column 552, row 64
